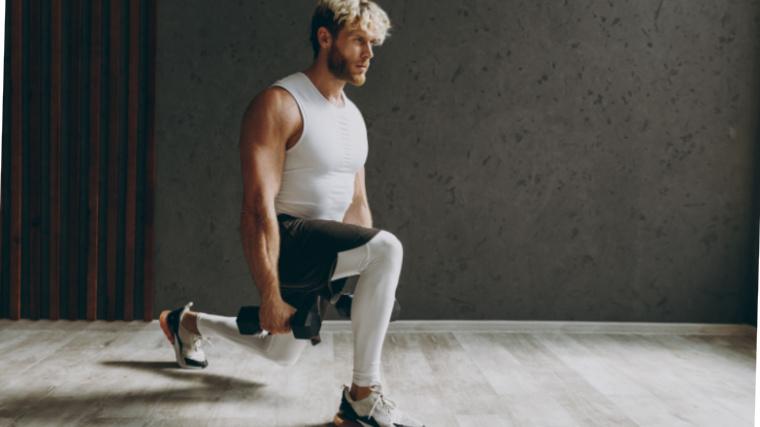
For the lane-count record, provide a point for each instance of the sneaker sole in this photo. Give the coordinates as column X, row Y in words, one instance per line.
column 163, row 321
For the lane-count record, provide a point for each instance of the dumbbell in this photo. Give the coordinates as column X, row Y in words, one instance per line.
column 343, row 307
column 305, row 323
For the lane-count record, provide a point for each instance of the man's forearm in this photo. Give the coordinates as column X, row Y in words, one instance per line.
column 261, row 243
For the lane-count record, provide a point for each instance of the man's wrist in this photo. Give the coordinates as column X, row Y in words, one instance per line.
column 271, row 298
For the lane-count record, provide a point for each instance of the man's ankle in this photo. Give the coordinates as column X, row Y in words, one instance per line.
column 358, row 393
column 190, row 322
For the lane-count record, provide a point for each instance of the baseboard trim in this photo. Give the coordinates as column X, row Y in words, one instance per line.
column 442, row 326
column 491, row 326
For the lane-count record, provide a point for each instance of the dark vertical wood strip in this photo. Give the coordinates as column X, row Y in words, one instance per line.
column 94, row 187
column 150, row 164
column 35, row 168
column 113, row 157
column 6, row 142
column 14, row 294
column 5, row 148
column 55, row 159
column 45, row 159
column 131, row 196
column 74, row 127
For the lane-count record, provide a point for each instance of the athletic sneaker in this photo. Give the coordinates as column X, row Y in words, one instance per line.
column 187, row 346
column 375, row 411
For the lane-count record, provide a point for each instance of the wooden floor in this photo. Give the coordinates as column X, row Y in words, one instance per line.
column 77, row 373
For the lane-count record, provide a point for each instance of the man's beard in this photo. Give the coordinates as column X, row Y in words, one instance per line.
column 339, row 68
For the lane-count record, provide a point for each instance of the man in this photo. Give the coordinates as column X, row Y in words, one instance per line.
column 306, row 221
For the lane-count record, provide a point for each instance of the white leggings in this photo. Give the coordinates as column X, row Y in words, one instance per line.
column 379, row 265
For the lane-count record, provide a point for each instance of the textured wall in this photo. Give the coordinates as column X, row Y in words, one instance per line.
column 588, row 160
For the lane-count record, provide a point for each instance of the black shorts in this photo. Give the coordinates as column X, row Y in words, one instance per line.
column 308, row 254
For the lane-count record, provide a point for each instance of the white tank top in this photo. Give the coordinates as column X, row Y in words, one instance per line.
column 320, row 169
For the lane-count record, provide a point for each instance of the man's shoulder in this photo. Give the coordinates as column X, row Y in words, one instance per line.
column 272, row 100
column 275, row 94
column 279, row 92
column 294, row 78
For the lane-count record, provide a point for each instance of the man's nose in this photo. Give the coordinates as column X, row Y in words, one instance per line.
column 368, row 51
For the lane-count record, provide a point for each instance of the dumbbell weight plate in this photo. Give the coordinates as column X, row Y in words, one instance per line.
column 248, row 320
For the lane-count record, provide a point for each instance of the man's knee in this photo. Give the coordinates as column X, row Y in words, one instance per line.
column 284, row 350
column 386, row 247
column 286, row 361
column 283, row 357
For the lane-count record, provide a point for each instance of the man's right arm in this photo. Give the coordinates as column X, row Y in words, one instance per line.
column 271, row 119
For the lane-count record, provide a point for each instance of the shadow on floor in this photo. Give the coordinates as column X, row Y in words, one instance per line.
column 170, row 370
column 133, row 408
column 89, row 403
column 89, row 399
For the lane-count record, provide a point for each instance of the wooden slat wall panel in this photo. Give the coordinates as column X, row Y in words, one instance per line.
column 6, row 135
column 150, row 163
column 93, row 198
column 55, row 159
column 80, row 90
column 74, row 140
column 35, row 210
column 113, row 159
column 129, row 246
column 14, row 294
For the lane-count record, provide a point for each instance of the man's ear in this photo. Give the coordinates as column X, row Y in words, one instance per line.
column 325, row 38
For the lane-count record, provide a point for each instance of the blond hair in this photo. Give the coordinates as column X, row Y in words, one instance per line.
column 338, row 14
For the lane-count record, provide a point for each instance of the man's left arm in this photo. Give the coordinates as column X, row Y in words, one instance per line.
column 358, row 213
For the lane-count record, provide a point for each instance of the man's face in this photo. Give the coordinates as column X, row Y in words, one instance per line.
column 349, row 55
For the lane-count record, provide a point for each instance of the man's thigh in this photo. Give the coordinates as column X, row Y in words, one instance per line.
column 309, row 251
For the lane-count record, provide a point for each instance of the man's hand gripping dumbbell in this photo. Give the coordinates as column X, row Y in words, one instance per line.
column 304, row 322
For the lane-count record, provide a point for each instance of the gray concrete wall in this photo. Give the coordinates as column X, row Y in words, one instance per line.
column 585, row 160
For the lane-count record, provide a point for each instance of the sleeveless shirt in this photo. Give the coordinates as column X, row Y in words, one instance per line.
column 320, row 169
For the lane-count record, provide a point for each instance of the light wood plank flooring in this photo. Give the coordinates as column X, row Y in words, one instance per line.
column 77, row 373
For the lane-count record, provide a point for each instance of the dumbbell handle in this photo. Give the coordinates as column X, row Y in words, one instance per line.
column 305, row 323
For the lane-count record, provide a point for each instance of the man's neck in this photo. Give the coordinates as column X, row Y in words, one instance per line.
column 326, row 83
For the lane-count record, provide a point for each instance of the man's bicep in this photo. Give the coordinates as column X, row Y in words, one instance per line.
column 261, row 168
column 262, row 153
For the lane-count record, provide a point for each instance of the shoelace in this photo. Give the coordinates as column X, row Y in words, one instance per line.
column 386, row 402
column 196, row 342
